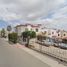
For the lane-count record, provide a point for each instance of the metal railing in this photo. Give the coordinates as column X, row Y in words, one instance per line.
column 51, row 50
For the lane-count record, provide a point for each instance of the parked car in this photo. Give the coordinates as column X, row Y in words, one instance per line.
column 39, row 42
column 63, row 45
column 56, row 44
column 47, row 43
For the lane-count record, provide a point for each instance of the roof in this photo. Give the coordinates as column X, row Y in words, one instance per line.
column 20, row 25
column 37, row 25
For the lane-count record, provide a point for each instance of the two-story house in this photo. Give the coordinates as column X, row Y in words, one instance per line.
column 31, row 27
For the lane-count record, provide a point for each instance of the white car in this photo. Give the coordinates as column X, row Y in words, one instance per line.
column 47, row 43
column 63, row 45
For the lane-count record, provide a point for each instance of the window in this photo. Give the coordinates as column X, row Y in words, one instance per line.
column 52, row 32
column 58, row 34
column 64, row 34
column 45, row 32
column 36, row 30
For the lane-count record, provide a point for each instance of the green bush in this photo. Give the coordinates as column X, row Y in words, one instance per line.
column 12, row 37
column 32, row 34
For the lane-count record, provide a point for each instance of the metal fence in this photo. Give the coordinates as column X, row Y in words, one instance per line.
column 51, row 50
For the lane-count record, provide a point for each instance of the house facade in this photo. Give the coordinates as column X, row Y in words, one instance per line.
column 53, row 33
column 30, row 27
column 64, row 34
column 48, row 32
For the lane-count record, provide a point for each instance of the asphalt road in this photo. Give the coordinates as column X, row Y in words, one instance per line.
column 15, row 57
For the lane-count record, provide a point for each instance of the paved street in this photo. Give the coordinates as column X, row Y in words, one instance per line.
column 14, row 57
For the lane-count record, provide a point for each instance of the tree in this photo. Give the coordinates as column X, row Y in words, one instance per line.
column 32, row 34
column 3, row 32
column 9, row 28
column 27, row 35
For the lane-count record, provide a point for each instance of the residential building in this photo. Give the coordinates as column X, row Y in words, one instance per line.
column 48, row 32
column 21, row 28
column 64, row 34
column 53, row 33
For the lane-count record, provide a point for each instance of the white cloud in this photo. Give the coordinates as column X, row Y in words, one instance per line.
column 33, row 11
column 29, row 9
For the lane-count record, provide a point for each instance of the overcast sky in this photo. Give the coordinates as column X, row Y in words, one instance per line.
column 51, row 13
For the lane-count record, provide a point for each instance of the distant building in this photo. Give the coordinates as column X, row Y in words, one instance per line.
column 48, row 32
column 64, row 34
column 53, row 33
column 21, row 28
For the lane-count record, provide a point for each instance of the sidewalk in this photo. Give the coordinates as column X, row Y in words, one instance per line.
column 44, row 58
column 6, row 39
